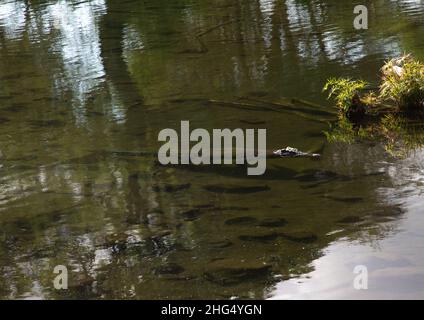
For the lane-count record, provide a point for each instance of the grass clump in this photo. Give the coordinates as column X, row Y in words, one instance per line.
column 393, row 114
column 403, row 83
column 345, row 91
column 401, row 90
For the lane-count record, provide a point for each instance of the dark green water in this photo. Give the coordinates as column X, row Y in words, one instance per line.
column 83, row 83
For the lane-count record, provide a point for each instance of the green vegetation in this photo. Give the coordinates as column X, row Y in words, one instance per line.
column 401, row 90
column 393, row 114
column 346, row 92
column 403, row 83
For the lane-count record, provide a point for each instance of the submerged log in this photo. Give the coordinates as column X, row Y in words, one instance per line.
column 271, row 108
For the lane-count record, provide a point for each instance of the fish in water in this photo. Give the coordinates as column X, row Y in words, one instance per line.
column 212, row 207
column 272, row 223
column 231, row 272
column 3, row 120
column 232, row 209
column 186, row 100
column 300, row 237
column 253, row 123
column 191, row 215
column 267, row 223
column 317, row 178
column 205, row 206
column 169, row 188
column 47, row 123
column 236, row 190
column 169, row 268
column 263, row 238
column 15, row 108
column 93, row 158
column 241, row 221
column 313, row 134
column 350, row 219
column 388, row 212
column 345, row 199
column 220, row 244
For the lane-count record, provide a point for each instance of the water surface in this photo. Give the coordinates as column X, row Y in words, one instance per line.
column 85, row 88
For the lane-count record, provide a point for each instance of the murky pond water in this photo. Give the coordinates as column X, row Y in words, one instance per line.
column 85, row 88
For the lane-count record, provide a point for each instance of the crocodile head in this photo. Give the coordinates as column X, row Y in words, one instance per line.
column 290, row 152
